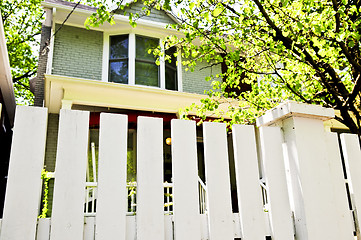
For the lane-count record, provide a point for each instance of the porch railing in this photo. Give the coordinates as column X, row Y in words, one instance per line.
column 91, row 198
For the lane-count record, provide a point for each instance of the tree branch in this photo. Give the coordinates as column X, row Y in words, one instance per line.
column 25, row 75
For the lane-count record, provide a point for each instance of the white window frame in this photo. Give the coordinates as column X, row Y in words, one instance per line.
column 131, row 60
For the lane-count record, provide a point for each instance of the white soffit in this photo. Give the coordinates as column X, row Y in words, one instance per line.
column 6, row 84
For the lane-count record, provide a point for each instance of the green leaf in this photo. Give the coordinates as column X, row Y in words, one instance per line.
column 217, row 11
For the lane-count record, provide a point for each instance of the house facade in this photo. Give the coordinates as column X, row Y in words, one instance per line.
column 109, row 69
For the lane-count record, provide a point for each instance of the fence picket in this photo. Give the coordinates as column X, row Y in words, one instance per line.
column 67, row 221
column 43, row 231
column 150, row 195
column 26, row 163
column 218, row 181
column 248, row 186
column 89, row 228
column 275, row 174
column 352, row 155
column 185, row 180
column 112, row 194
column 341, row 212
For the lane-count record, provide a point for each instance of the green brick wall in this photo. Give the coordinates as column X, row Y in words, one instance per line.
column 78, row 53
column 194, row 82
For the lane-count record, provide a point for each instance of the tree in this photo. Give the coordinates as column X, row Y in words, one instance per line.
column 22, row 26
column 302, row 50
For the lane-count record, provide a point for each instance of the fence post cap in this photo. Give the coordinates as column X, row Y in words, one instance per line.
column 295, row 109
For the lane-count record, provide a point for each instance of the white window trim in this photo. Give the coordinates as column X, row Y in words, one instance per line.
column 131, row 61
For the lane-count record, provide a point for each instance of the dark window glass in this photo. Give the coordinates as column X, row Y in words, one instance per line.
column 146, row 74
column 119, row 72
column 143, row 45
column 171, row 81
column 118, row 59
column 119, row 47
column 146, row 71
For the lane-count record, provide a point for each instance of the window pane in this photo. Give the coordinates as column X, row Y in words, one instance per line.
column 119, row 72
column 171, row 70
column 118, row 47
column 146, row 74
column 143, row 44
column 171, row 79
column 170, row 52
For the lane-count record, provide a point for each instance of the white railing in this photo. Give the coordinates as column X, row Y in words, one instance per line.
column 91, row 196
column 202, row 196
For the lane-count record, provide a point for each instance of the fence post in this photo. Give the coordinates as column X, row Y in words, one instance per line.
column 315, row 185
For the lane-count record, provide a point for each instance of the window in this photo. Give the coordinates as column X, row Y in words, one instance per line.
column 146, row 70
column 118, row 59
column 171, row 82
column 130, row 63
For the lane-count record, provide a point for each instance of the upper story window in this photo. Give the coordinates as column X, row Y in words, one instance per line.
column 123, row 57
column 146, row 70
column 118, row 59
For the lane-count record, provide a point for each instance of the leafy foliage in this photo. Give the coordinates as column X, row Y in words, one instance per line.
column 302, row 50
column 45, row 176
column 22, row 26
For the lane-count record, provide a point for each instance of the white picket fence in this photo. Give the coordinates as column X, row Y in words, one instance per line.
column 300, row 166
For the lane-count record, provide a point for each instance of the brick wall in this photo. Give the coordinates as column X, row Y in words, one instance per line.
column 194, row 82
column 42, row 63
column 78, row 53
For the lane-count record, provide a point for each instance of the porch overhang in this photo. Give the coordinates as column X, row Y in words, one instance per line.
column 65, row 92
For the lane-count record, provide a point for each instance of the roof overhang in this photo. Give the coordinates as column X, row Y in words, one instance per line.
column 61, row 92
column 78, row 17
column 6, row 84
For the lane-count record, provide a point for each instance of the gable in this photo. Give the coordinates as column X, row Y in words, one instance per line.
column 155, row 15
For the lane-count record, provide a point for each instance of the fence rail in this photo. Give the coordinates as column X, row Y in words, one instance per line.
column 289, row 182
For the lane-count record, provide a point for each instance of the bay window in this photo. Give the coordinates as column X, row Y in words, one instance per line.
column 145, row 72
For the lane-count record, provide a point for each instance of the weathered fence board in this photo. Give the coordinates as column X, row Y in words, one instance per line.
column 338, row 199
column 352, row 155
column 150, row 209
column 67, row 221
column 89, row 228
column 220, row 219
column 43, row 232
column 24, row 179
column 248, row 183
column 112, row 167
column 185, row 180
column 275, row 175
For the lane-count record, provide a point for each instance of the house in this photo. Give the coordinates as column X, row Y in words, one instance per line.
column 109, row 69
column 7, row 112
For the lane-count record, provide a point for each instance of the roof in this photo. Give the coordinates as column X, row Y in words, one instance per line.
column 93, row 9
column 71, row 4
column 6, row 83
